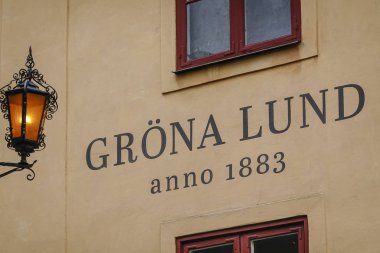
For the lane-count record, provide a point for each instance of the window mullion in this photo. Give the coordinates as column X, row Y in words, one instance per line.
column 235, row 16
column 239, row 24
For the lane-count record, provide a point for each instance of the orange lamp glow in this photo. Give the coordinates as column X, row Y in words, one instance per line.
column 27, row 110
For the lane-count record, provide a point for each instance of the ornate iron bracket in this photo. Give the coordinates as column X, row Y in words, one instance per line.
column 19, row 167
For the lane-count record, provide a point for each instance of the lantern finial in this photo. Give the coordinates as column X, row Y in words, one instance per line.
column 30, row 64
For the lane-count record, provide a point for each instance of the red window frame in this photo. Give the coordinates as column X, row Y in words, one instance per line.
column 237, row 35
column 186, row 248
column 241, row 236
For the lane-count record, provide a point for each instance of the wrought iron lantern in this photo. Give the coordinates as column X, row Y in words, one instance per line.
column 26, row 106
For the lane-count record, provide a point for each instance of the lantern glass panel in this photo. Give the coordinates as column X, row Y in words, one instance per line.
column 34, row 113
column 15, row 112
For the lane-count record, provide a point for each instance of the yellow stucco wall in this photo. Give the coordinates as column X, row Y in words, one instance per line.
column 112, row 71
column 33, row 214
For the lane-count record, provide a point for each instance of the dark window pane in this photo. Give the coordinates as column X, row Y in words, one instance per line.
column 266, row 20
column 225, row 248
column 276, row 244
column 208, row 28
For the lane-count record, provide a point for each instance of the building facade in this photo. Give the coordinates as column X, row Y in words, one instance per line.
column 159, row 146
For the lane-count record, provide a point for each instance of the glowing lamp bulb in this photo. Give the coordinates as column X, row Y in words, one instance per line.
column 28, row 120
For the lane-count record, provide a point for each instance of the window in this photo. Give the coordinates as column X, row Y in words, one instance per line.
column 285, row 236
column 209, row 31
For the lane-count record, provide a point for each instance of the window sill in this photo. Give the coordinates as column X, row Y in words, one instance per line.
column 281, row 47
column 172, row 80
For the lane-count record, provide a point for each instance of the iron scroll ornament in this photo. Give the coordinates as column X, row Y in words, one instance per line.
column 19, row 78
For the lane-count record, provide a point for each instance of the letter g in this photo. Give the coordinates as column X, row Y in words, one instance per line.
column 102, row 157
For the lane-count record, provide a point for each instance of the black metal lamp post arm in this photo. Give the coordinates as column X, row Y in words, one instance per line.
column 19, row 167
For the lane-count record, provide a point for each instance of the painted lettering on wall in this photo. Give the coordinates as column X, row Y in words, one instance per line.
column 130, row 150
column 245, row 168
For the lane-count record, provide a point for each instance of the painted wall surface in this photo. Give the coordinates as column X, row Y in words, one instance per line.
column 112, row 62
column 32, row 214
